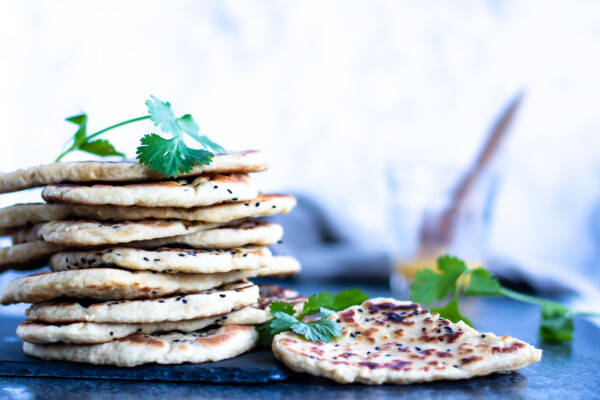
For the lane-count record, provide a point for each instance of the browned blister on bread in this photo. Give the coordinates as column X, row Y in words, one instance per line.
column 390, row 341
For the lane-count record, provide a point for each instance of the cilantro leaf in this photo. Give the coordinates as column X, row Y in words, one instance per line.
column 556, row 324
column 430, row 286
column 190, row 127
column 281, row 306
column 482, row 283
column 321, row 330
column 162, row 115
column 80, row 136
column 348, row 298
column 316, row 301
column 101, row 147
column 450, row 311
column 170, row 156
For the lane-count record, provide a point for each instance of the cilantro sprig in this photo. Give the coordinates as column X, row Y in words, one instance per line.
column 169, row 157
column 317, row 330
column 455, row 278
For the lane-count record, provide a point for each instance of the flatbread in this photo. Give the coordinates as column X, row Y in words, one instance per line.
column 31, row 213
column 260, row 233
column 166, row 348
column 34, row 254
column 168, row 260
column 98, row 332
column 390, row 341
column 92, row 171
column 27, row 256
column 117, row 284
column 94, row 233
column 209, row 303
column 204, row 190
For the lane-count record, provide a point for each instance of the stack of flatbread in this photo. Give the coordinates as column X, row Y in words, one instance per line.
column 143, row 269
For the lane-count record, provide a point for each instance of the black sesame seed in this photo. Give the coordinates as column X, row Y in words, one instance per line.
column 274, row 207
column 111, row 333
column 483, row 336
column 225, row 317
column 146, row 259
column 222, row 295
column 234, row 199
column 257, row 204
column 156, row 259
column 184, row 301
column 423, row 329
column 215, row 187
column 229, row 190
column 417, row 348
column 246, row 204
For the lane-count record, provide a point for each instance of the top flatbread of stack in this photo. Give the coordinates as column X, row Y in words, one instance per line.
column 204, row 190
column 92, row 171
column 262, row 206
column 390, row 341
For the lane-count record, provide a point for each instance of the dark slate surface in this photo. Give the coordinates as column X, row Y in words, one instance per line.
column 568, row 370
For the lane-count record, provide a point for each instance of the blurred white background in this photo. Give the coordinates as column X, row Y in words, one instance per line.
column 334, row 91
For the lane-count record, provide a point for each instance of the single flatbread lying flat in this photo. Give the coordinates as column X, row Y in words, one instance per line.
column 117, row 284
column 390, row 341
column 209, row 303
column 166, row 348
column 205, row 190
column 93, row 233
column 27, row 256
column 260, row 233
column 99, row 332
column 30, row 255
column 92, row 171
column 263, row 205
column 168, row 260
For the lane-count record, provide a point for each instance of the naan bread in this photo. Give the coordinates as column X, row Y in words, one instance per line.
column 168, row 260
column 35, row 254
column 260, row 233
column 390, row 341
column 261, row 206
column 209, row 303
column 27, row 256
column 98, row 332
column 117, row 284
column 161, row 348
column 92, row 171
column 94, row 233
column 204, row 190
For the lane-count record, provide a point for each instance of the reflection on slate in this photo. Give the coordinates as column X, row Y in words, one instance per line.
column 323, row 248
column 256, row 366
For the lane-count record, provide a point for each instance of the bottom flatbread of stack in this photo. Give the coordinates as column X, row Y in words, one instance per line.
column 211, row 338
column 390, row 341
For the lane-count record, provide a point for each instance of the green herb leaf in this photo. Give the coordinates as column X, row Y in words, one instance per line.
column 430, row 286
column 281, row 306
column 321, row 330
column 80, row 136
column 348, row 298
column 170, row 156
column 556, row 324
column 101, row 147
column 315, row 302
column 482, row 283
column 450, row 311
column 162, row 115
